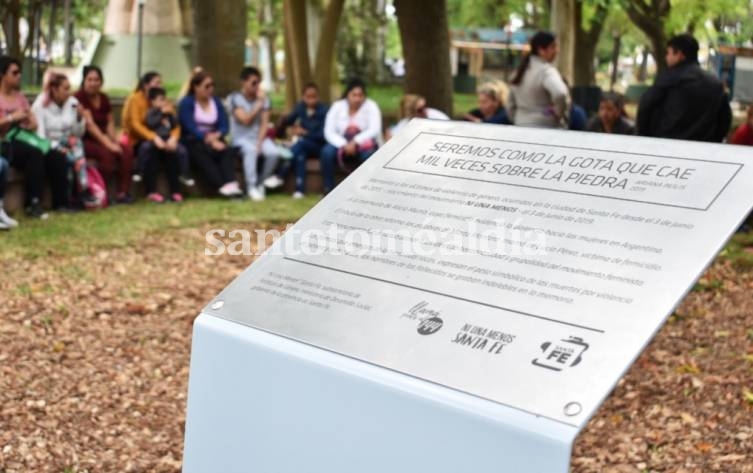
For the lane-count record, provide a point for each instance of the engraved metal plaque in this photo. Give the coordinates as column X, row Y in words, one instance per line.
column 529, row 267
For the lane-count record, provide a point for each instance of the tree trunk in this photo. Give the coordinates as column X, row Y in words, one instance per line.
column 584, row 71
column 11, row 28
column 643, row 69
column 325, row 51
column 291, row 94
column 424, row 33
column 51, row 27
column 616, row 47
column 296, row 44
column 563, row 25
column 219, row 40
column 68, row 20
column 650, row 18
column 266, row 19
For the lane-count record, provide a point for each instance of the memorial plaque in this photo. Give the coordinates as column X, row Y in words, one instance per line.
column 523, row 266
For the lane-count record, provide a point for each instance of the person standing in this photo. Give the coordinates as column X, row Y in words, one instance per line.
column 100, row 141
column 685, row 102
column 540, row 98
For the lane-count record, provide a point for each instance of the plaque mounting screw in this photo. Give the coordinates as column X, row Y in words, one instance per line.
column 573, row 409
column 218, row 305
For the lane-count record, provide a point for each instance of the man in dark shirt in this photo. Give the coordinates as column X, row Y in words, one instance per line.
column 685, row 102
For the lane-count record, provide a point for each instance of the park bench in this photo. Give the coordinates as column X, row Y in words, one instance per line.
column 14, row 196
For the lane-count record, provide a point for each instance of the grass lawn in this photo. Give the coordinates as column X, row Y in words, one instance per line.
column 388, row 99
column 124, row 225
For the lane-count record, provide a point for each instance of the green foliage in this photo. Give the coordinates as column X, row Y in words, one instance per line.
column 495, row 13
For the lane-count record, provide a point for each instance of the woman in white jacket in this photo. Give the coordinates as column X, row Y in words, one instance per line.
column 63, row 123
column 539, row 96
column 352, row 128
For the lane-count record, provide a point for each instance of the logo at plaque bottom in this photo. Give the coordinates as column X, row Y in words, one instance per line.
column 430, row 325
column 561, row 354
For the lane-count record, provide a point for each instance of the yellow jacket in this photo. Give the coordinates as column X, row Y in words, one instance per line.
column 133, row 119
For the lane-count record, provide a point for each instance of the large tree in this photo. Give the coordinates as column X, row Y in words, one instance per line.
column 220, row 40
column 563, row 26
column 650, row 16
column 589, row 22
column 425, row 36
column 300, row 66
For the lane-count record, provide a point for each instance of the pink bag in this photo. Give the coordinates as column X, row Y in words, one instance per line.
column 97, row 188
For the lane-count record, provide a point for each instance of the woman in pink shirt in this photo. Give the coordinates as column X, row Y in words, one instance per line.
column 204, row 126
column 18, row 146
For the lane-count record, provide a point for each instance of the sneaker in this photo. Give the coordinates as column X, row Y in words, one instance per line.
column 34, row 210
column 123, row 198
column 297, row 195
column 177, row 197
column 186, row 181
column 256, row 193
column 155, row 197
column 285, row 152
column 136, row 177
column 88, row 200
column 4, row 226
column 230, row 189
column 273, row 182
column 6, row 220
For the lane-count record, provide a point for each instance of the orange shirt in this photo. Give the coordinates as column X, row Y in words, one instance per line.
column 133, row 119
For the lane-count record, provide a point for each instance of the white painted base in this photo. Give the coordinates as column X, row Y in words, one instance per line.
column 264, row 404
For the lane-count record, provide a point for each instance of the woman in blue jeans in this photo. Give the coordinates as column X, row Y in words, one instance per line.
column 352, row 129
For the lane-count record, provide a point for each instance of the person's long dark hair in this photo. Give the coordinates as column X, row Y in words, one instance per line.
column 197, row 78
column 354, row 83
column 541, row 39
column 145, row 79
column 87, row 70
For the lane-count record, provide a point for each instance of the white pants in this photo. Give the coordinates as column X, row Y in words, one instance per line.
column 250, row 157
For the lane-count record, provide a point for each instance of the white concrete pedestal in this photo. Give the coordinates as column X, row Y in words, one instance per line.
column 262, row 403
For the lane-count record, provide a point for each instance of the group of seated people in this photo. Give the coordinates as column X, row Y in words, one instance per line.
column 61, row 132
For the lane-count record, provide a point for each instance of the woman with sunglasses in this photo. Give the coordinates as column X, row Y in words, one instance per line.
column 491, row 105
column 20, row 146
column 204, row 125
column 100, row 142
column 414, row 106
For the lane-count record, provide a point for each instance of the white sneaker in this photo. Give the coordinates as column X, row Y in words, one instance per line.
column 256, row 193
column 6, row 220
column 297, row 195
column 230, row 189
column 273, row 182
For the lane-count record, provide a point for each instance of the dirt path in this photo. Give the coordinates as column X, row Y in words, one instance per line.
column 94, row 363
